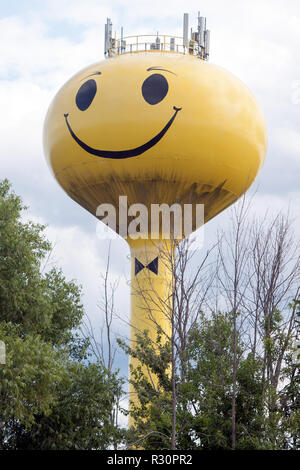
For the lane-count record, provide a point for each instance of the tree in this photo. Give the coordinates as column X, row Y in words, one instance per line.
column 106, row 355
column 27, row 380
column 80, row 416
column 204, row 399
column 235, row 384
column 232, row 261
column 289, row 395
column 211, row 381
column 51, row 395
column 180, row 308
column 153, row 412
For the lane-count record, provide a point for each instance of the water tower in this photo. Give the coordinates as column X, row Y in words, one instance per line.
column 155, row 123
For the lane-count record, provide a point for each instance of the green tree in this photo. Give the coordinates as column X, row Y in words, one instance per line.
column 204, row 398
column 51, row 395
column 289, row 395
column 152, row 384
column 80, row 416
column 211, row 380
column 203, row 412
column 236, row 385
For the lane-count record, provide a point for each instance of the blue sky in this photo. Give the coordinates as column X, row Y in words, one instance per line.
column 43, row 43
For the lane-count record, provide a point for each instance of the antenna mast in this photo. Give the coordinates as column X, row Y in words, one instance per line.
column 108, row 39
column 203, row 38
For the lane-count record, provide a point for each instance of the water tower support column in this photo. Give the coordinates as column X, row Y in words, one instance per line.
column 152, row 267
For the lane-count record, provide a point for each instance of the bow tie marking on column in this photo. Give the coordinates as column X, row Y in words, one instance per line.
column 152, row 266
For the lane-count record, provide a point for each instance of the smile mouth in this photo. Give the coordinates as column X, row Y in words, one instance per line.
column 123, row 153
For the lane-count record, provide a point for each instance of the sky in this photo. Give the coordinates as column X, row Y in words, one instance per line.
column 43, row 43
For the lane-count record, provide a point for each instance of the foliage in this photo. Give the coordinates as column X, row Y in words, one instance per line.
column 204, row 398
column 80, row 416
column 51, row 396
column 151, row 379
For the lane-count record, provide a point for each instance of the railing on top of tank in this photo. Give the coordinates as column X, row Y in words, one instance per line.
column 152, row 43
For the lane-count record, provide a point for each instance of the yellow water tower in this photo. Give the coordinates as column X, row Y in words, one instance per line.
column 155, row 123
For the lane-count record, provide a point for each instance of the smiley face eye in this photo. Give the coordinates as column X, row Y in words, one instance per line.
column 155, row 88
column 86, row 94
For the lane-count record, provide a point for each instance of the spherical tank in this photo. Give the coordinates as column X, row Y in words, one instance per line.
column 158, row 127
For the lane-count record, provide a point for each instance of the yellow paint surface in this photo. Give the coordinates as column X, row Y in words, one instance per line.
column 210, row 154
column 151, row 295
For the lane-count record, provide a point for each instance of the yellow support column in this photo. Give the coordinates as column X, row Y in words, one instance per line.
column 151, row 294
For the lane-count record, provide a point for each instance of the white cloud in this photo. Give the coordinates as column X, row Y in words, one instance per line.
column 287, row 141
column 86, row 13
column 29, row 51
column 83, row 257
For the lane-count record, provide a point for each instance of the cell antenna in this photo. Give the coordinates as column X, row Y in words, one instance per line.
column 185, row 30
column 108, row 39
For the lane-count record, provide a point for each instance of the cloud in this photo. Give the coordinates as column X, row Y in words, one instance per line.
column 83, row 257
column 75, row 11
column 28, row 50
column 287, row 141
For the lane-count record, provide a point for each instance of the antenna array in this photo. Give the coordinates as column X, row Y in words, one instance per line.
column 202, row 37
column 197, row 44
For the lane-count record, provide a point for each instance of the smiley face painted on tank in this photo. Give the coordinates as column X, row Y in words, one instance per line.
column 154, row 90
column 151, row 117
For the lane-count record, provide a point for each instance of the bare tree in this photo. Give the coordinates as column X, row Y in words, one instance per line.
column 274, row 267
column 233, row 254
column 104, row 352
column 258, row 274
column 104, row 348
column 180, row 308
column 254, row 277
